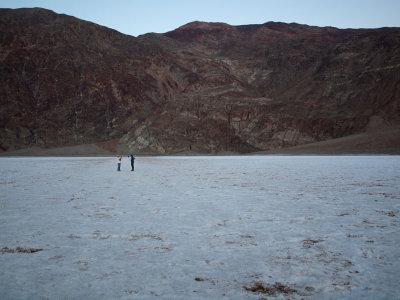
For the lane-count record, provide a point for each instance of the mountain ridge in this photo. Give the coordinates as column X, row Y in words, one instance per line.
column 204, row 87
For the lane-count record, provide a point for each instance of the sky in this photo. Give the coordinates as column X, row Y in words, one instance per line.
column 136, row 17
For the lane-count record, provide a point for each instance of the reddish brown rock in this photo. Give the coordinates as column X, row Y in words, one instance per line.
column 205, row 87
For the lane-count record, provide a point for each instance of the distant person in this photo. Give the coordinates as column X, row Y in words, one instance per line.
column 132, row 163
column 119, row 159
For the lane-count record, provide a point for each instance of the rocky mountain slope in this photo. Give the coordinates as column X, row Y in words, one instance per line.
column 204, row 87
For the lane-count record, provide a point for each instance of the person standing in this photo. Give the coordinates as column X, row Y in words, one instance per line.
column 119, row 159
column 132, row 163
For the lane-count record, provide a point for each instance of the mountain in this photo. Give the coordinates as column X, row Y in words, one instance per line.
column 204, row 87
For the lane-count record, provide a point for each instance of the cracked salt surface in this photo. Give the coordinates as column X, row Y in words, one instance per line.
column 290, row 227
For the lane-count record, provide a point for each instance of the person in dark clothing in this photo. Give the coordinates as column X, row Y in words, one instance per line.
column 132, row 163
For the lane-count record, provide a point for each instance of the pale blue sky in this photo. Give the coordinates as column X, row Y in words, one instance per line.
column 137, row 17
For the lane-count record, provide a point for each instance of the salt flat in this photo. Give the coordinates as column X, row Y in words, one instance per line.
column 243, row 227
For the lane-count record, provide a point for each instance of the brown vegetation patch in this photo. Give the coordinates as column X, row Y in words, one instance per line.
column 270, row 289
column 387, row 213
column 135, row 237
column 309, row 243
column 199, row 279
column 20, row 250
column 73, row 236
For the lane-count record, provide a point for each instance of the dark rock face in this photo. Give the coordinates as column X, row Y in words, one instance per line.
column 204, row 87
column 65, row 81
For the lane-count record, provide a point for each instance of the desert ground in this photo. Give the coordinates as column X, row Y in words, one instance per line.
column 234, row 227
